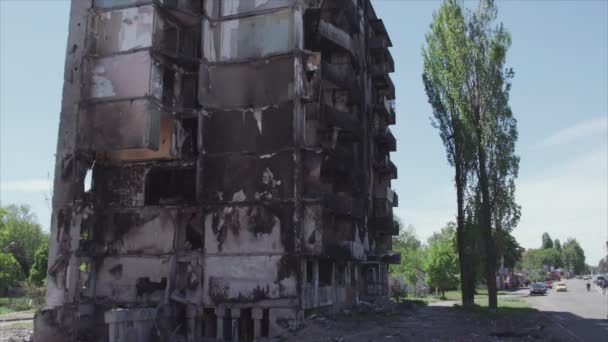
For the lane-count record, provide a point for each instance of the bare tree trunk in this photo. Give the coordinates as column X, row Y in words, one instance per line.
column 486, row 226
column 464, row 259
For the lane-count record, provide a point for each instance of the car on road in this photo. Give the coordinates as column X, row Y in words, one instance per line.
column 561, row 287
column 538, row 288
column 599, row 280
column 549, row 284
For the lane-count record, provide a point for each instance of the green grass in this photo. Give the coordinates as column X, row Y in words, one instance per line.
column 10, row 305
column 20, row 325
column 506, row 307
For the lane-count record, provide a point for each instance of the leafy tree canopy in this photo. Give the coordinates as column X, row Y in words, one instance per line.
column 20, row 235
column 441, row 267
column 547, row 242
column 10, row 271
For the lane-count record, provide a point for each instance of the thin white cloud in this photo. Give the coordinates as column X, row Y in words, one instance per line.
column 567, row 200
column 26, row 185
column 582, row 129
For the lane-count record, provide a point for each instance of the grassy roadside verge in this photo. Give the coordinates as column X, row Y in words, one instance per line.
column 12, row 305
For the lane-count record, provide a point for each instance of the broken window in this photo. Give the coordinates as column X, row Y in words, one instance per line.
column 325, row 272
column 189, row 139
column 340, row 274
column 169, row 42
column 266, row 323
column 246, row 325
column 166, row 186
column 309, row 272
column 210, row 328
column 249, row 37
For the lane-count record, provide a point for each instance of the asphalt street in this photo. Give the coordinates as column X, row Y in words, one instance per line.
column 582, row 314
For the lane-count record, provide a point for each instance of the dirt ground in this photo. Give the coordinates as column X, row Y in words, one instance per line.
column 398, row 322
column 18, row 331
column 427, row 323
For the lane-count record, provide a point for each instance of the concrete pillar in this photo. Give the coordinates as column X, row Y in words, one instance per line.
column 194, row 316
column 220, row 311
column 235, row 315
column 315, row 276
column 257, row 314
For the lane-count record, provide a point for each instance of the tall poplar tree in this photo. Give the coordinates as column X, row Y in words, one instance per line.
column 465, row 76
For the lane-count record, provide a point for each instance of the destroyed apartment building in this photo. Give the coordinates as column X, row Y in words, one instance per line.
column 238, row 153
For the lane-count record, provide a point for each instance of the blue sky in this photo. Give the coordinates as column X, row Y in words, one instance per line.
column 560, row 97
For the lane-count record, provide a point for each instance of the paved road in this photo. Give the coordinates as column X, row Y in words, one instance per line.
column 584, row 315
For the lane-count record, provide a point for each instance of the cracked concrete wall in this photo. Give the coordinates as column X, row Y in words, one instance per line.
column 240, row 155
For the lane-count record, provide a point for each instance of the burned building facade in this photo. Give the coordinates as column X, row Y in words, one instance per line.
column 239, row 158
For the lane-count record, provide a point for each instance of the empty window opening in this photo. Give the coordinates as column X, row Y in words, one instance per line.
column 210, row 328
column 84, row 269
column 168, row 87
column 170, row 186
column 265, row 323
column 180, row 316
column 170, row 39
column 325, row 272
column 194, row 237
column 227, row 325
column 340, row 275
column 246, row 325
column 188, row 43
column 190, row 138
column 309, row 272
column 145, row 286
column 88, row 180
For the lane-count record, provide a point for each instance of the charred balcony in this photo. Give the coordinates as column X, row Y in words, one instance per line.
column 344, row 205
column 385, row 139
column 341, row 75
column 346, row 121
column 386, row 108
column 188, row 12
column 343, row 11
column 335, row 37
column 385, row 225
column 385, row 167
column 166, row 28
column 387, row 257
column 380, row 39
column 384, row 201
column 382, row 64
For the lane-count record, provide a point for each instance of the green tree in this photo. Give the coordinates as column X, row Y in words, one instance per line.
column 441, row 267
column 39, row 267
column 412, row 255
column 573, row 256
column 557, row 245
column 508, row 248
column 447, row 233
column 466, row 57
column 441, row 84
column 20, row 235
column 547, row 242
column 10, row 271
